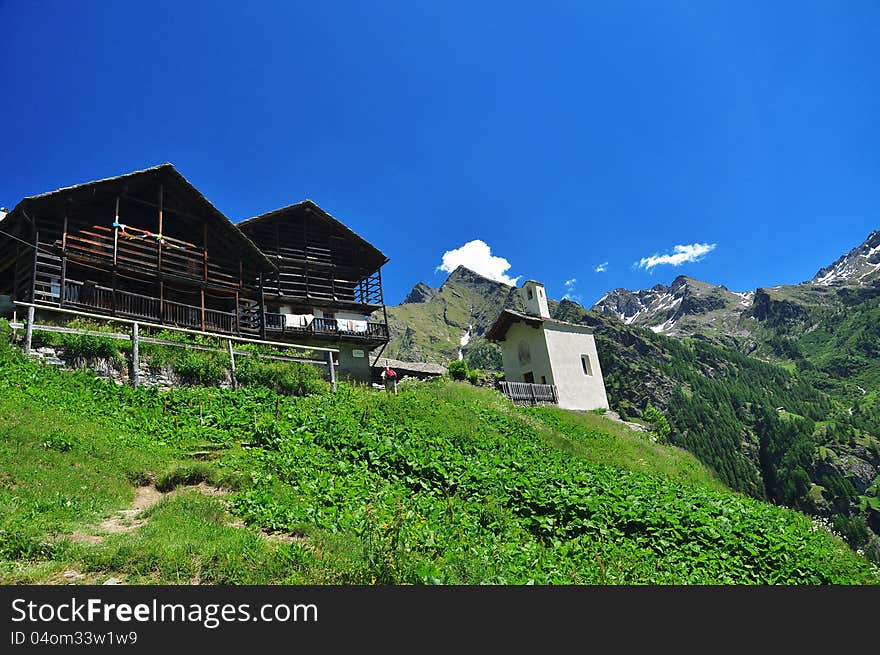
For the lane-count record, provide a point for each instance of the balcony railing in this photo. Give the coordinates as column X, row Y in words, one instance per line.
column 133, row 305
column 329, row 327
column 532, row 394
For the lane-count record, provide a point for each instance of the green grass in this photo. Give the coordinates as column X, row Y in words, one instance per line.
column 599, row 440
column 444, row 483
column 188, row 539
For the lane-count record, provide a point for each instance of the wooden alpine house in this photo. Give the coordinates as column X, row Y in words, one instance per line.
column 327, row 286
column 149, row 246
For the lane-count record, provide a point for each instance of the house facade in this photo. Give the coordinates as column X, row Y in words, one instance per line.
column 327, row 286
column 149, row 246
column 537, row 349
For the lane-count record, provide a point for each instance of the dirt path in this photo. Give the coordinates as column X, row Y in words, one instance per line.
column 128, row 520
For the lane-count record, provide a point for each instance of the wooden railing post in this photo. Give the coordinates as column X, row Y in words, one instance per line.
column 63, row 263
column 29, row 330
column 135, row 356
column 232, row 364
column 331, row 366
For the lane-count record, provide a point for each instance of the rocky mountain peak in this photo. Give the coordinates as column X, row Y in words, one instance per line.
column 420, row 293
column 859, row 266
column 462, row 274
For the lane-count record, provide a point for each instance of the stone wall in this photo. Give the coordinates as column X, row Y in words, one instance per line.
column 108, row 368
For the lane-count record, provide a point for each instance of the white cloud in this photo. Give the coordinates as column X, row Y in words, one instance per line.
column 601, row 268
column 477, row 256
column 569, row 290
column 693, row 252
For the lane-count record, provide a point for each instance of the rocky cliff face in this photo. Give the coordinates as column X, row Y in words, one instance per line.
column 420, row 293
column 684, row 308
column 861, row 265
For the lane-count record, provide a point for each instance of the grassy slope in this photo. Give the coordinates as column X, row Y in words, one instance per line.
column 444, row 483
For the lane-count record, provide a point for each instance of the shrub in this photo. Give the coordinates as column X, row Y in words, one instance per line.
column 658, row 422
column 197, row 367
column 191, row 366
column 480, row 378
column 458, row 370
column 289, row 378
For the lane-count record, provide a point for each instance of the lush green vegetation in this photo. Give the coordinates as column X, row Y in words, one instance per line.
column 444, row 483
column 194, row 367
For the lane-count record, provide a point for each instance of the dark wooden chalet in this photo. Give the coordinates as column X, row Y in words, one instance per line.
column 328, row 284
column 145, row 245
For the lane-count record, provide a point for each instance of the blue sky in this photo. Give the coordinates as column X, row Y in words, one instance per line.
column 565, row 136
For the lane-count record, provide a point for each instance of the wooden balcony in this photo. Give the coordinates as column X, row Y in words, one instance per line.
column 102, row 300
column 170, row 258
column 329, row 327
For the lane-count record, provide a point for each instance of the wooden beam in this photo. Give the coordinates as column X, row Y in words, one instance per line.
column 237, row 314
column 232, row 365
column 203, row 308
column 135, row 356
column 34, row 270
column 331, row 365
column 29, row 331
column 15, row 271
column 205, row 248
column 262, row 308
column 116, row 231
column 154, row 205
column 161, row 227
column 63, row 262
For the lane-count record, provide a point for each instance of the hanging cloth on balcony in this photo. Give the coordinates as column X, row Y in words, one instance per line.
column 145, row 234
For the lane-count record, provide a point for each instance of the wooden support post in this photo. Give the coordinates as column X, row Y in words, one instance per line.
column 14, row 321
column 115, row 251
column 382, row 298
column 237, row 315
column 29, row 331
column 161, row 227
column 232, row 364
column 135, row 356
column 34, row 271
column 205, row 248
column 63, row 263
column 331, row 365
column 262, row 309
column 116, row 232
column 203, row 309
column 15, row 273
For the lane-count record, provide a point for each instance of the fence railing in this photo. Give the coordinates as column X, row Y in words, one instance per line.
column 134, row 305
column 533, row 394
column 325, row 326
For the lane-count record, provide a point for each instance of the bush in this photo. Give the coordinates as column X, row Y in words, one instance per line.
column 458, row 370
column 480, row 378
column 288, row 378
column 658, row 422
column 197, row 367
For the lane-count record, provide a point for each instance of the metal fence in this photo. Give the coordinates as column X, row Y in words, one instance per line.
column 533, row 394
